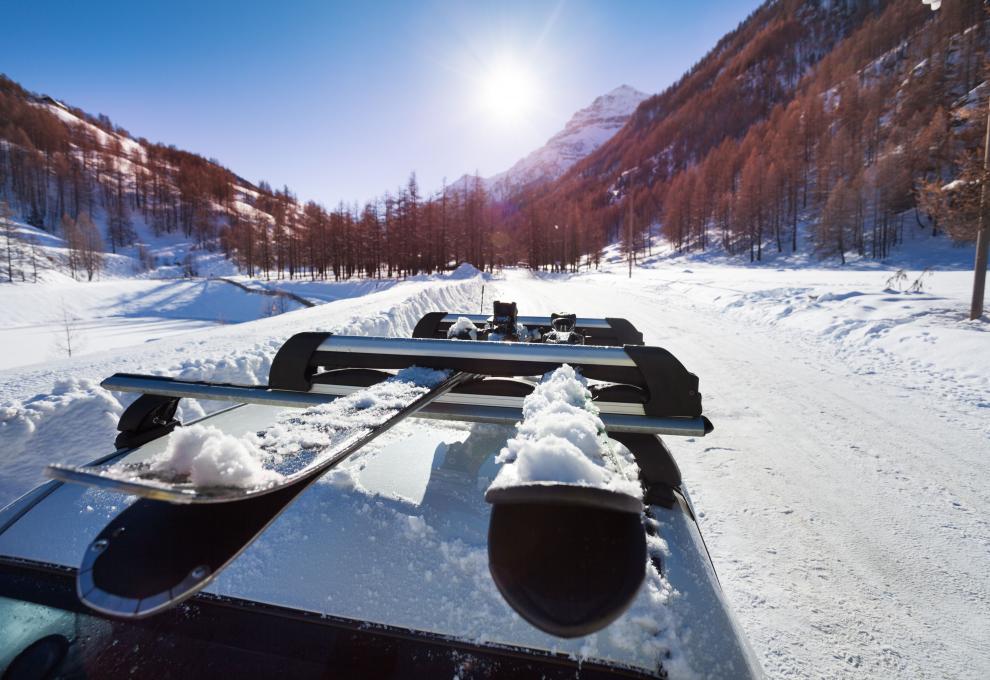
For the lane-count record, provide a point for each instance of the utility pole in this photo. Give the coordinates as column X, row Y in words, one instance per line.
column 983, row 234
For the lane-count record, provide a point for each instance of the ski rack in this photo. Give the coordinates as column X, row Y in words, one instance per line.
column 638, row 389
column 608, row 331
column 641, row 392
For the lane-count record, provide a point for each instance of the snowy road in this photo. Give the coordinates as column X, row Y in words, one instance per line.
column 846, row 514
column 843, row 494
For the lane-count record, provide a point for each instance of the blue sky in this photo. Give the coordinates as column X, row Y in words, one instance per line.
column 341, row 102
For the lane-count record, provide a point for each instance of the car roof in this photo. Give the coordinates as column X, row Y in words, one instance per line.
column 397, row 535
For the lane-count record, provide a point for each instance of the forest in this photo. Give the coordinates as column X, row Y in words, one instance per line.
column 822, row 128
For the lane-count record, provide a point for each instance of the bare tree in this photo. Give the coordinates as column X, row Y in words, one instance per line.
column 10, row 235
column 67, row 339
column 33, row 249
column 90, row 245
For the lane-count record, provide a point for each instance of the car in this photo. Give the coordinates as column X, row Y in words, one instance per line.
column 393, row 564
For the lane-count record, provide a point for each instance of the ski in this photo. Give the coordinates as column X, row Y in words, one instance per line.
column 566, row 491
column 326, row 434
column 155, row 554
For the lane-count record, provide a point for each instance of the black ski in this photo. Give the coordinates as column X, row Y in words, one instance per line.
column 156, row 554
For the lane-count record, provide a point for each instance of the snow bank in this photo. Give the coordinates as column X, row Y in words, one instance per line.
column 75, row 421
column 61, row 425
column 921, row 339
column 207, row 456
column 465, row 270
column 562, row 440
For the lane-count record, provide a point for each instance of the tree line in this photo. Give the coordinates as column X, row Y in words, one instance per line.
column 846, row 118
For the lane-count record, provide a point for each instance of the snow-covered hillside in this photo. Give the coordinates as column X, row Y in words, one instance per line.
column 587, row 129
column 842, row 494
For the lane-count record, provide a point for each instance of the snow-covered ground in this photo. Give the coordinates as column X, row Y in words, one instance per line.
column 42, row 322
column 843, row 493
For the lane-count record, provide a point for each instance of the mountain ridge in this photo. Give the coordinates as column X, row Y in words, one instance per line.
column 586, row 130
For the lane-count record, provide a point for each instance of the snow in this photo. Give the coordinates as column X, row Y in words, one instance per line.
column 463, row 325
column 118, row 313
column 842, row 495
column 561, row 440
column 47, row 417
column 465, row 270
column 207, row 456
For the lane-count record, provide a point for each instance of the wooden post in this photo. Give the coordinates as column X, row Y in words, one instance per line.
column 982, row 235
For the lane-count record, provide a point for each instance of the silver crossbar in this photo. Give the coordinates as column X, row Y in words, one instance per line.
column 587, row 355
column 452, row 406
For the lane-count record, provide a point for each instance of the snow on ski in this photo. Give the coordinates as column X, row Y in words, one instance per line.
column 201, row 464
column 566, row 492
column 562, row 440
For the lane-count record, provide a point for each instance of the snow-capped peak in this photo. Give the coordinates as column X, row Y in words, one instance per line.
column 587, row 129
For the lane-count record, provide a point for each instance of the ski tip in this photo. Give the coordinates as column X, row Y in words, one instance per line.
column 57, row 471
column 567, row 566
column 134, row 568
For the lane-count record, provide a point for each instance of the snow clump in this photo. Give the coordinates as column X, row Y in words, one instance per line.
column 561, row 440
column 208, row 456
column 461, row 326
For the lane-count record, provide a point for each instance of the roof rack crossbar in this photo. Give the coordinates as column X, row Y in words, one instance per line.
column 459, row 408
column 508, row 352
column 585, row 322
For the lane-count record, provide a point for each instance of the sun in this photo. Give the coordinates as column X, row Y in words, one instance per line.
column 507, row 91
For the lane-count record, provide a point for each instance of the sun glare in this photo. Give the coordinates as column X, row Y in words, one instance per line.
column 507, row 91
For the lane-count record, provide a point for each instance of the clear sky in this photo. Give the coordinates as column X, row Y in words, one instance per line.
column 341, row 101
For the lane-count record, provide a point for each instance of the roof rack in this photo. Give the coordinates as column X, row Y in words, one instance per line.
column 659, row 381
column 637, row 388
column 640, row 391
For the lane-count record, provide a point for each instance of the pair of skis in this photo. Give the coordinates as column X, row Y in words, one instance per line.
column 174, row 540
column 181, row 532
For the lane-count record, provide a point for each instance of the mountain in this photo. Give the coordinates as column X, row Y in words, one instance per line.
column 87, row 186
column 834, row 128
column 587, row 130
column 815, row 125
